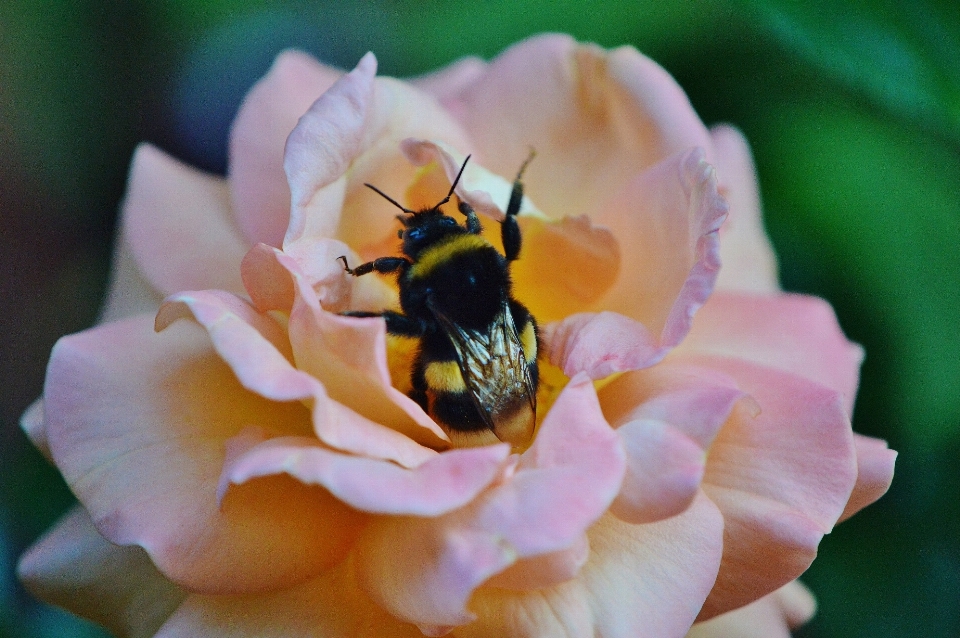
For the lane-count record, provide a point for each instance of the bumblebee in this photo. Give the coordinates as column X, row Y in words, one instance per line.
column 475, row 372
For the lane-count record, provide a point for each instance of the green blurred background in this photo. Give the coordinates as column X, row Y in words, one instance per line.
column 852, row 108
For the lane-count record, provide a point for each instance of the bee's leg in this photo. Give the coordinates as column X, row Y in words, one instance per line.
column 473, row 222
column 397, row 324
column 510, row 230
column 419, row 383
column 381, row 265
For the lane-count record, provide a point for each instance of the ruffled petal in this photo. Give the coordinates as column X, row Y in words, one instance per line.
column 258, row 352
column 875, row 463
column 594, row 118
column 74, row 567
column 773, row 616
column 640, row 580
column 332, row 606
column 666, row 221
column 358, row 124
column 666, row 417
column 795, row 333
column 440, row 484
column 177, row 222
column 258, row 186
column 425, row 570
column 749, row 263
column 137, row 424
column 781, row 476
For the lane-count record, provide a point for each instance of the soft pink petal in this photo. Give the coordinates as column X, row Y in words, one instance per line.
column 258, row 185
column 178, row 224
column 424, row 570
column 749, row 263
column 773, row 616
column 640, row 580
column 137, row 423
column 358, row 124
column 795, row 333
column 543, row 570
column 875, row 462
column 594, row 118
column 781, row 476
column 74, row 567
column 320, row 149
column 331, row 606
column 666, row 221
column 600, row 344
column 128, row 291
column 349, row 357
column 666, row 417
column 257, row 350
column 443, row 483
column 451, row 79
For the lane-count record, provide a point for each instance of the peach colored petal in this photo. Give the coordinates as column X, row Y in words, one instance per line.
column 796, row 333
column 349, row 357
column 358, row 125
column 331, row 606
column 543, row 570
column 320, row 149
column 875, row 463
column 137, row 423
column 451, row 79
column 34, row 426
column 128, row 292
column 257, row 350
column 781, row 477
column 440, row 484
column 666, row 417
column 74, row 567
column 178, row 224
column 424, row 570
column 258, row 185
column 600, row 344
column 773, row 616
column 749, row 263
column 640, row 580
column 666, row 221
column 594, row 118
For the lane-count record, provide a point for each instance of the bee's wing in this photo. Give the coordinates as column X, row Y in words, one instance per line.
column 494, row 367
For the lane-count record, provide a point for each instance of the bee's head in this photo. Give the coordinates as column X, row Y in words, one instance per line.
column 422, row 228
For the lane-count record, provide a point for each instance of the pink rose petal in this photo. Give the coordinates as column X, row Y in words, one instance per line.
column 34, row 426
column 748, row 260
column 795, row 333
column 424, row 570
column 179, row 226
column 875, row 463
column 258, row 185
column 781, row 477
column 594, row 118
column 773, row 616
column 440, row 484
column 640, row 580
column 666, row 417
column 257, row 350
column 74, row 567
column 331, row 606
column 148, row 476
column 666, row 221
column 600, row 344
column 128, row 291
column 450, row 80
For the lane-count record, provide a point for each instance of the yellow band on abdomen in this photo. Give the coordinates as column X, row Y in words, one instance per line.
column 444, row 376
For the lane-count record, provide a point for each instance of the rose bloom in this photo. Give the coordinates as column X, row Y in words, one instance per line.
column 247, row 460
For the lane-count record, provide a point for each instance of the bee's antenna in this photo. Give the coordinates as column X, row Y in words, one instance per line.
column 523, row 167
column 390, row 199
column 454, row 185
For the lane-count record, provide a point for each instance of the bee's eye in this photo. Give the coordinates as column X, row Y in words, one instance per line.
column 415, row 233
column 449, row 221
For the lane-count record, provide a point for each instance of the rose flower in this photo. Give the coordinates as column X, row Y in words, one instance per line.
column 248, row 461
